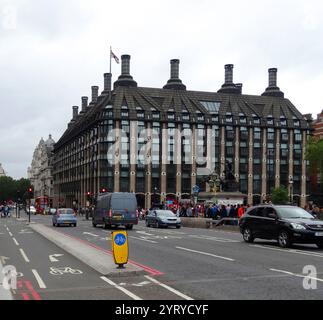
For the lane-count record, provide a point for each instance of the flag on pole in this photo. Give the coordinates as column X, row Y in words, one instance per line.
column 112, row 55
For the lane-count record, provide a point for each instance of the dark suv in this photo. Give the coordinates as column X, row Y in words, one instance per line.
column 287, row 224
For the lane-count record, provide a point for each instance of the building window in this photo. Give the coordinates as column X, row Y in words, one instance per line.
column 270, row 120
column 156, row 115
column 256, row 119
column 124, row 112
column 283, row 121
column 211, row 106
column 170, row 116
column 185, row 116
column 228, row 117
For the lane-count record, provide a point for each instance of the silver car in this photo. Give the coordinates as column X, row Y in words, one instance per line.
column 162, row 218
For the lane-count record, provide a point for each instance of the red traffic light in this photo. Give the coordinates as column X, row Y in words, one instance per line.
column 30, row 189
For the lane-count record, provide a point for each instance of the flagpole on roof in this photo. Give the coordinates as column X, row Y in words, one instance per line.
column 110, row 58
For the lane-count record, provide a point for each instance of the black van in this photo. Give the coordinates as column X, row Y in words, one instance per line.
column 116, row 209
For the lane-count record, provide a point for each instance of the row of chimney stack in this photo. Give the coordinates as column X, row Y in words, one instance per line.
column 174, row 83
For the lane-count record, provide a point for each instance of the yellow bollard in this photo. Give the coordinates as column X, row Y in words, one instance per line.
column 120, row 248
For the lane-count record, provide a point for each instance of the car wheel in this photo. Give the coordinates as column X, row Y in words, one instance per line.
column 147, row 224
column 178, row 227
column 284, row 240
column 247, row 235
column 54, row 225
column 129, row 226
column 94, row 224
column 75, row 224
column 320, row 245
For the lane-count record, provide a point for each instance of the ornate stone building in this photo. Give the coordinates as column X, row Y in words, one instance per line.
column 262, row 136
column 40, row 171
column 2, row 172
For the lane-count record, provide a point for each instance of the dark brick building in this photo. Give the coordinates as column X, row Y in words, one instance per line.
column 182, row 136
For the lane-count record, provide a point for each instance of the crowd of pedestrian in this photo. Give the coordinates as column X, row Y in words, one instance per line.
column 4, row 211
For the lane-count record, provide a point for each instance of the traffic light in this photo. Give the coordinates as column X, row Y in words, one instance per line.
column 88, row 195
column 103, row 190
column 31, row 192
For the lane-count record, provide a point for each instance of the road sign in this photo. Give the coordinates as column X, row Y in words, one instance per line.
column 196, row 189
column 120, row 247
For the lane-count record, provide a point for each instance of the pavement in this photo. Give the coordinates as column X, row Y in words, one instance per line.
column 188, row 263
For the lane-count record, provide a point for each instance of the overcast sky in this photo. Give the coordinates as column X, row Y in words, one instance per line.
column 53, row 51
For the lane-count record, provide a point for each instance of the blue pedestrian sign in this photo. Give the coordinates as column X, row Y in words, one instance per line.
column 196, row 189
column 120, row 239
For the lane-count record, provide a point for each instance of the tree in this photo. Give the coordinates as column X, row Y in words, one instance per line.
column 280, row 195
column 314, row 154
column 9, row 188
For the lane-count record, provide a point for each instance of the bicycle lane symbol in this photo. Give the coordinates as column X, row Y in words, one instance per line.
column 58, row 271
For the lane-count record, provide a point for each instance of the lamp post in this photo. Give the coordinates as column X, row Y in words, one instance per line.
column 290, row 183
column 155, row 191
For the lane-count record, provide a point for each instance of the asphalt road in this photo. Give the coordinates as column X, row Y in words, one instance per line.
column 195, row 263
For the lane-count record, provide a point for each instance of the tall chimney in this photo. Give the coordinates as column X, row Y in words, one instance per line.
column 174, row 82
column 273, row 90
column 125, row 79
column 84, row 103
column 272, row 77
column 228, row 79
column 95, row 94
column 75, row 112
column 107, row 81
column 229, row 86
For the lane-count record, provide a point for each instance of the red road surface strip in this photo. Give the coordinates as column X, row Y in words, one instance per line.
column 30, row 288
column 152, row 271
column 24, row 296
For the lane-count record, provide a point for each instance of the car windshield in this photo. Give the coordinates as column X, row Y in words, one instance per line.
column 165, row 213
column 66, row 211
column 293, row 213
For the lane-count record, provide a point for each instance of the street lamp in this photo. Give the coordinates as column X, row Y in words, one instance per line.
column 290, row 183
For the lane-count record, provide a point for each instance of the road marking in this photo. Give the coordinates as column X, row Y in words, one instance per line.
column 182, row 295
column 295, row 274
column 306, row 253
column 15, row 241
column 127, row 292
column 91, row 234
column 30, row 288
column 24, row 255
column 52, row 258
column 206, row 254
column 143, row 239
column 203, row 237
column 39, row 279
column 141, row 284
column 10, row 234
column 145, row 233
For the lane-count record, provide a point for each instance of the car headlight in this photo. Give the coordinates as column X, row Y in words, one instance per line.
column 298, row 226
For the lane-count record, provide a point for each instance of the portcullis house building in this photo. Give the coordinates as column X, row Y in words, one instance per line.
column 160, row 142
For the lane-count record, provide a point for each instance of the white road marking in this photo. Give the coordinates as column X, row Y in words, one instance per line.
column 145, row 233
column 15, row 241
column 124, row 290
column 39, row 279
column 306, row 253
column 140, row 284
column 143, row 239
column 203, row 237
column 91, row 234
column 52, row 257
column 296, row 275
column 24, row 255
column 180, row 294
column 10, row 234
column 205, row 253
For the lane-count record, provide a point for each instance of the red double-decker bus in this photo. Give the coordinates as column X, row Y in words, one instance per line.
column 41, row 204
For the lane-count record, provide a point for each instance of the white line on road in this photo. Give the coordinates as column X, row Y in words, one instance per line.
column 296, row 275
column 306, row 253
column 24, row 255
column 203, row 237
column 127, row 292
column 39, row 279
column 182, row 295
column 142, row 239
column 10, row 234
column 15, row 241
column 206, row 254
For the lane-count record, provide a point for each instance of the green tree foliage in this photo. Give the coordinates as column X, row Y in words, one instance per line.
column 314, row 154
column 9, row 188
column 280, row 195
